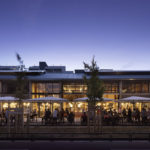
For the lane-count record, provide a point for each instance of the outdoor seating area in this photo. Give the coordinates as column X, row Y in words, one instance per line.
column 58, row 111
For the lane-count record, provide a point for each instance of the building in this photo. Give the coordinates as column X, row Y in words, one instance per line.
column 44, row 80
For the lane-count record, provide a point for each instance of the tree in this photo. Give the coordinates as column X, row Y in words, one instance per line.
column 20, row 91
column 95, row 89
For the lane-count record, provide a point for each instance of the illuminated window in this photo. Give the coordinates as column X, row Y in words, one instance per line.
column 111, row 87
column 135, row 87
column 74, row 88
column 46, row 87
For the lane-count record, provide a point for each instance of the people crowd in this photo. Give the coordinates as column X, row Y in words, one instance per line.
column 127, row 116
column 5, row 115
column 109, row 117
column 58, row 116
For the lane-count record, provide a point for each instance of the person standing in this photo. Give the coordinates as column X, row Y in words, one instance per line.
column 6, row 115
column 129, row 115
column 55, row 114
column 61, row 113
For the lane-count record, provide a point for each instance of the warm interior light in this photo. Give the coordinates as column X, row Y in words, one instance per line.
column 13, row 105
column 79, row 105
column 47, row 104
column 98, row 104
column 26, row 104
column 70, row 105
column 5, row 105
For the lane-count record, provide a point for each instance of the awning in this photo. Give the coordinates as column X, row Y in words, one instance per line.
column 47, row 99
column 135, row 99
column 84, row 99
column 8, row 99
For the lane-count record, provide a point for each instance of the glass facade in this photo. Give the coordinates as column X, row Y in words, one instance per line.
column 135, row 87
column 111, row 87
column 44, row 95
column 73, row 96
column 111, row 96
column 74, row 88
column 8, row 87
column 46, row 87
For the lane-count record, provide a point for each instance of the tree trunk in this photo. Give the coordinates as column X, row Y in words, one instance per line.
column 101, row 117
column 20, row 120
column 91, row 118
column 28, row 123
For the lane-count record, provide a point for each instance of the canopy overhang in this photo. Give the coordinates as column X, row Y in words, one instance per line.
column 85, row 99
column 47, row 99
column 135, row 99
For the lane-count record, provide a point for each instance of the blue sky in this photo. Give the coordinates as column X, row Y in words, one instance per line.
column 68, row 32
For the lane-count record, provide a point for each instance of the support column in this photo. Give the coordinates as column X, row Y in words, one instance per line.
column 30, row 89
column 39, row 109
column 8, row 118
column 49, row 106
column 52, row 107
column 0, row 88
column 61, row 105
column 31, row 107
column 1, row 107
column 149, row 87
column 61, row 85
column 120, row 93
column 120, row 89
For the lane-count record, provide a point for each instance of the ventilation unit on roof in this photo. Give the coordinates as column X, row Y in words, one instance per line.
column 42, row 65
column 79, row 71
column 106, row 70
column 9, row 67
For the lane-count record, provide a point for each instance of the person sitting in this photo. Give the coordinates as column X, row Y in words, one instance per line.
column 33, row 115
column 115, row 118
column 106, row 117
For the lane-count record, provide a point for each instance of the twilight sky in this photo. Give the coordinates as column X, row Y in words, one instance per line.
column 68, row 32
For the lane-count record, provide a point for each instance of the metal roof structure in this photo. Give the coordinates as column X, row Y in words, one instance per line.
column 45, row 72
column 73, row 76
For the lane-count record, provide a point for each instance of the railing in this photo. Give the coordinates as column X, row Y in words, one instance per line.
column 76, row 136
column 77, row 122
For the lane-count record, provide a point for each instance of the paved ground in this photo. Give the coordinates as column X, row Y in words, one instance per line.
column 76, row 132
column 74, row 145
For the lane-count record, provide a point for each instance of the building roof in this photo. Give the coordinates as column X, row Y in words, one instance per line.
column 73, row 76
column 45, row 72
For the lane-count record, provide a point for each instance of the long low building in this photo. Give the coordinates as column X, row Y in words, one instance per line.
column 44, row 80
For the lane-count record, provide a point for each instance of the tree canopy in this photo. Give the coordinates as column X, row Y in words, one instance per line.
column 95, row 87
column 21, row 80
